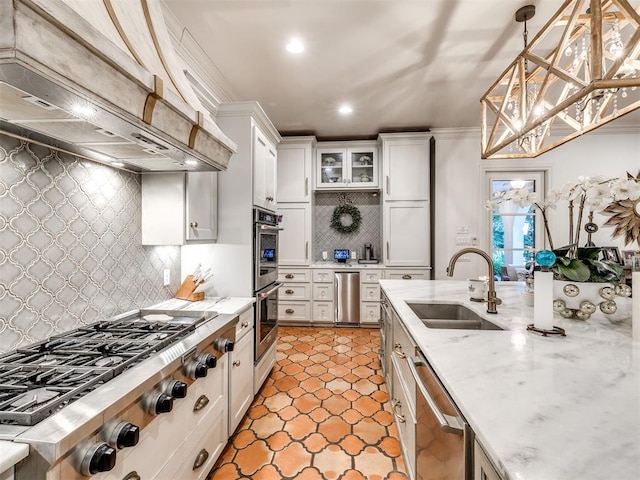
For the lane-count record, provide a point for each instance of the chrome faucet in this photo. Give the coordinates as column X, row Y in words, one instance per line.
column 492, row 299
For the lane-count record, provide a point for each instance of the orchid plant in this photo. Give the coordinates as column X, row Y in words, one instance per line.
column 617, row 197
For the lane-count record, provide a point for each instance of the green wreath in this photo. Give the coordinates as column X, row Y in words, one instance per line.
column 336, row 219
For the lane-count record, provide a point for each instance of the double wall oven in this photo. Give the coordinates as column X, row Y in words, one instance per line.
column 265, row 279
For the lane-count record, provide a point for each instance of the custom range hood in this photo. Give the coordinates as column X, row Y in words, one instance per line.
column 100, row 79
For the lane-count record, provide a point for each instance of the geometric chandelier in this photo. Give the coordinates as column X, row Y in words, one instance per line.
column 582, row 70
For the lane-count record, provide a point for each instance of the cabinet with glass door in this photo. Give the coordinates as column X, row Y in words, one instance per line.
column 350, row 165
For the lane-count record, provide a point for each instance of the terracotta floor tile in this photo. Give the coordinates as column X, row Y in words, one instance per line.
column 252, row 458
column 292, row 459
column 332, row 462
column 315, row 442
column 307, row 423
column 336, row 404
column 278, row 441
column 301, row 426
column 334, row 429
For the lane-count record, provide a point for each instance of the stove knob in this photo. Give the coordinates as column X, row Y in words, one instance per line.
column 100, row 457
column 158, row 403
column 209, row 360
column 124, row 435
column 223, row 345
column 176, row 389
column 195, row 370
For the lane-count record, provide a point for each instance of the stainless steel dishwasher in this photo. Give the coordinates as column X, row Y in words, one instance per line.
column 444, row 441
column 346, row 286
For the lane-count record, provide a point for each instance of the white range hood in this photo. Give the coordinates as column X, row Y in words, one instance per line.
column 100, row 79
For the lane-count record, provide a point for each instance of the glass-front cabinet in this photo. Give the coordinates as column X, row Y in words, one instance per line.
column 347, row 167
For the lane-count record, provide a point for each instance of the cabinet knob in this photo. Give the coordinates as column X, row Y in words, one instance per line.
column 244, row 324
column 236, row 363
column 289, row 310
column 193, row 224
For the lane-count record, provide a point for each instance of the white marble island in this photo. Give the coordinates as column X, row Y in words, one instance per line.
column 544, row 408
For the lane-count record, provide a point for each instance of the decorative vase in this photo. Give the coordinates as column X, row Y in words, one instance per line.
column 582, row 299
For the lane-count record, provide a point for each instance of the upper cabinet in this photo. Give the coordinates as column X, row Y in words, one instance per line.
column 179, row 207
column 347, row 166
column 405, row 166
column 264, row 171
column 294, row 169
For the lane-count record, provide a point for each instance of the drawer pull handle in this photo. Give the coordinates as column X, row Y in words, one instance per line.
column 289, row 276
column 406, row 277
column 289, row 310
column 289, row 292
column 202, row 402
column 398, row 349
column 236, row 363
column 200, row 459
column 132, row 476
column 244, row 324
column 397, row 406
column 193, row 224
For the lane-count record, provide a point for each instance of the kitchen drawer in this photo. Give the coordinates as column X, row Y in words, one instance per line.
column 203, row 445
column 370, row 313
column 370, row 292
column 403, row 347
column 300, row 275
column 407, row 274
column 405, row 421
column 370, row 276
column 295, row 291
column 323, row 312
column 323, row 291
column 323, row 276
column 294, row 311
column 245, row 323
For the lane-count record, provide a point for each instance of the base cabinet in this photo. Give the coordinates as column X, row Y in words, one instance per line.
column 482, row 467
column 241, row 371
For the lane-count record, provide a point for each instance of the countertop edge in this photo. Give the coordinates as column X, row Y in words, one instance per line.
column 11, row 453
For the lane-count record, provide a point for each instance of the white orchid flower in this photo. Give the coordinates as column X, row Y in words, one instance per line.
column 623, row 189
column 598, row 195
column 491, row 205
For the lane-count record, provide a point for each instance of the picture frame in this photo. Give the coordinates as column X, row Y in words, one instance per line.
column 628, row 257
column 612, row 254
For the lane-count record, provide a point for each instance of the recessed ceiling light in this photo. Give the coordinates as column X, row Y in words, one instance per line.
column 295, row 46
column 345, row 109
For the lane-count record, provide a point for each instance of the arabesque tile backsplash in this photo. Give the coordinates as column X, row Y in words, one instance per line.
column 70, row 244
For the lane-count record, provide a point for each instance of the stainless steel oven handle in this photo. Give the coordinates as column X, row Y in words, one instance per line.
column 447, row 423
column 266, row 294
column 271, row 228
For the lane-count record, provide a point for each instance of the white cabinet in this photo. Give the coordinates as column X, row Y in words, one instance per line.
column 294, row 169
column 482, row 466
column 405, row 166
column 350, row 165
column 264, row 171
column 241, row 371
column 179, row 207
column 407, row 274
column 294, row 297
column 294, row 241
column 406, row 233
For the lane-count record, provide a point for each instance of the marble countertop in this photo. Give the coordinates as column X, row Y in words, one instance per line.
column 352, row 264
column 224, row 305
column 11, row 453
column 543, row 407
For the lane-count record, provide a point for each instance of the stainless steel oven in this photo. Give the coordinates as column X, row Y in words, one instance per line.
column 266, row 327
column 440, row 427
column 265, row 255
column 265, row 264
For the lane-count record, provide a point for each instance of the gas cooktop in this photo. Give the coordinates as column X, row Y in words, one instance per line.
column 40, row 379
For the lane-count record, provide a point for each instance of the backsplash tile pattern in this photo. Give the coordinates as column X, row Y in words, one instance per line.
column 327, row 239
column 70, row 244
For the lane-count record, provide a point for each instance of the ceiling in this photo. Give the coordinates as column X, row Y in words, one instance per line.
column 401, row 64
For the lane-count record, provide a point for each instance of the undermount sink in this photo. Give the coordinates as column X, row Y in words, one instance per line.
column 450, row 315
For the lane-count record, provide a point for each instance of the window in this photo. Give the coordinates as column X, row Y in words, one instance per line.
column 515, row 232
